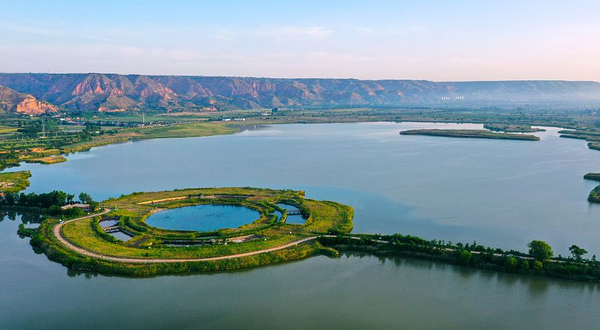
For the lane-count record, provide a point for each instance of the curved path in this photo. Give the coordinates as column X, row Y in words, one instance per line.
column 59, row 236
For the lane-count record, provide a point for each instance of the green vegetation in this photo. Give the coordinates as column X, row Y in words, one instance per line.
column 591, row 135
column 538, row 262
column 52, row 203
column 182, row 131
column 131, row 211
column 577, row 252
column 512, row 128
column 11, row 182
column 45, row 140
column 470, row 133
column 540, row 250
column 592, row 176
column 594, row 196
column 48, row 160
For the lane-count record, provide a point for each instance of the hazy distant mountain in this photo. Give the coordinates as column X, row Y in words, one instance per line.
column 113, row 92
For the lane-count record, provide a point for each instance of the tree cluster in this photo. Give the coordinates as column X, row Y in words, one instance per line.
column 50, row 203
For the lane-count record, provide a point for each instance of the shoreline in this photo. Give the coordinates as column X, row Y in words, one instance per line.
column 470, row 134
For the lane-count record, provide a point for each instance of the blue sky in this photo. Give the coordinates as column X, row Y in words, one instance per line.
column 434, row 40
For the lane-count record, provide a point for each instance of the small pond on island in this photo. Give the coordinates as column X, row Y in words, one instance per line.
column 203, row 217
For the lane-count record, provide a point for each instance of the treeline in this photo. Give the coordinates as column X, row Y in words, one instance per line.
column 538, row 261
column 49, row 203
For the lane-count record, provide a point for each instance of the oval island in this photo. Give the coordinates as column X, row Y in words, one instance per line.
column 86, row 243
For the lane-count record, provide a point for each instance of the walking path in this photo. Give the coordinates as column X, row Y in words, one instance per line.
column 59, row 236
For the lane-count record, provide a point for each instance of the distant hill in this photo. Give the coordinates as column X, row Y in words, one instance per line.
column 12, row 101
column 114, row 92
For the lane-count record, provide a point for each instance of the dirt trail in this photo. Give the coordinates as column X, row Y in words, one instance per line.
column 58, row 234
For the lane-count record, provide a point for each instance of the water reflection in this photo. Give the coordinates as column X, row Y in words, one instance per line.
column 26, row 217
column 537, row 285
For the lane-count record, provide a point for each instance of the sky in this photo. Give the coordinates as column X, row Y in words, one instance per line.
column 434, row 40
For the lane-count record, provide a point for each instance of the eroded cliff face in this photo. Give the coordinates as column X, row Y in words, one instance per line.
column 31, row 106
column 114, row 92
column 12, row 101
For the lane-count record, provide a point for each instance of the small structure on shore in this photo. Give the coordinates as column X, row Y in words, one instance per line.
column 84, row 207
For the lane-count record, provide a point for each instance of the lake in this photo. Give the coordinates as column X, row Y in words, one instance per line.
column 203, row 217
column 498, row 192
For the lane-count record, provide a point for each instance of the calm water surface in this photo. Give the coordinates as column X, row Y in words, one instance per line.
column 203, row 217
column 294, row 218
column 500, row 193
column 352, row 292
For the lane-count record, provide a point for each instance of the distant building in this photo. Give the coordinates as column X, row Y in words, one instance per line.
column 84, row 207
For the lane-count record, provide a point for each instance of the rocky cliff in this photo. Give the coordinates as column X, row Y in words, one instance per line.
column 12, row 101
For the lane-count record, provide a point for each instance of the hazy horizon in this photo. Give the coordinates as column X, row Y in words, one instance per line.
column 437, row 41
column 296, row 78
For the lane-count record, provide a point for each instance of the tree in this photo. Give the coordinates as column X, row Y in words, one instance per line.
column 540, row 250
column 511, row 262
column 94, row 205
column 577, row 252
column 85, row 198
column 70, row 198
column 465, row 256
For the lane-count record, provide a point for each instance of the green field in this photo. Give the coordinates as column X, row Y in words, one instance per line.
column 14, row 181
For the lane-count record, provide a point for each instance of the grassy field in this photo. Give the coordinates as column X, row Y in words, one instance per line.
column 181, row 131
column 14, row 181
column 48, row 160
column 153, row 132
column 80, row 233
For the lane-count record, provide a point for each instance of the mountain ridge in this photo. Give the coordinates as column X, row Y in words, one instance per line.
column 133, row 92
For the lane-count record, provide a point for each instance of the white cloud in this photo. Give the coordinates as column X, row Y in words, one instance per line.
column 365, row 30
column 30, row 29
column 57, row 32
column 275, row 32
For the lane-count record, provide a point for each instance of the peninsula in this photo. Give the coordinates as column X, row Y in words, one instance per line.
column 470, row 133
